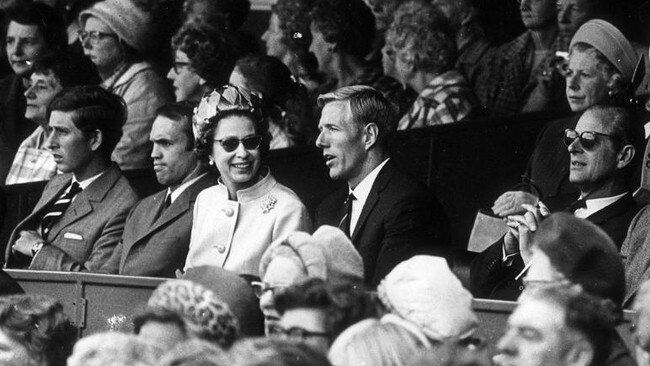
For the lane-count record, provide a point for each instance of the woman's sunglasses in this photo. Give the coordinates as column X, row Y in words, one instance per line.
column 231, row 144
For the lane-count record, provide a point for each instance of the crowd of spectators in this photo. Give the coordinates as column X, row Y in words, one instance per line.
column 182, row 91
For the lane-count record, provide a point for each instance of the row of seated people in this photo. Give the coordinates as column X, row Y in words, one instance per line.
column 87, row 219
column 316, row 312
column 437, row 64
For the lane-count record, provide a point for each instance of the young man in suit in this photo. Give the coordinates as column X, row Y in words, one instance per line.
column 602, row 148
column 157, row 232
column 388, row 215
column 80, row 216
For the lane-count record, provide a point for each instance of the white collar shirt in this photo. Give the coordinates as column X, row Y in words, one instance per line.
column 361, row 193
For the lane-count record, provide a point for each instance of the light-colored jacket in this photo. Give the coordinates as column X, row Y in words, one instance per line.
column 234, row 234
column 144, row 91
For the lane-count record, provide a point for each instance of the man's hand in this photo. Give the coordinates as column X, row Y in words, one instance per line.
column 26, row 242
column 521, row 228
column 511, row 203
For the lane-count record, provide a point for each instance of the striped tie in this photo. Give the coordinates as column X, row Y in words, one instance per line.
column 344, row 224
column 59, row 207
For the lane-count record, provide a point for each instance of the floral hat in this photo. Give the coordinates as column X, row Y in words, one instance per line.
column 223, row 99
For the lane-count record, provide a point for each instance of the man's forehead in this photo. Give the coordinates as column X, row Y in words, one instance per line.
column 590, row 121
column 337, row 110
column 537, row 313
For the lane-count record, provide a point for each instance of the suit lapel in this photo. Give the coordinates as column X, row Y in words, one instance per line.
column 615, row 209
column 380, row 183
column 82, row 204
column 181, row 205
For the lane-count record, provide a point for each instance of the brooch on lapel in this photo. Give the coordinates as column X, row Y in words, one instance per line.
column 268, row 203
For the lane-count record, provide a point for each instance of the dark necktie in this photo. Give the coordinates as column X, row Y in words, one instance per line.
column 164, row 207
column 344, row 224
column 577, row 205
column 58, row 208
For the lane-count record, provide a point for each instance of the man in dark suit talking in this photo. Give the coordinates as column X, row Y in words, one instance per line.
column 388, row 215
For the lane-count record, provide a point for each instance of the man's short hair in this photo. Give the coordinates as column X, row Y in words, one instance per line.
column 349, row 24
column 594, row 317
column 625, row 128
column 158, row 315
column 47, row 19
column 368, row 105
column 94, row 109
column 181, row 113
column 422, row 31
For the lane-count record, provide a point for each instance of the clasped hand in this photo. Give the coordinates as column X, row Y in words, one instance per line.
column 521, row 227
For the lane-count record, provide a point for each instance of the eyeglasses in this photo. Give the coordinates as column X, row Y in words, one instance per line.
column 295, row 332
column 231, row 144
column 178, row 66
column 259, row 288
column 94, row 36
column 588, row 139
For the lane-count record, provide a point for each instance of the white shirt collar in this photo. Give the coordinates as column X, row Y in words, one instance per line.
column 596, row 204
column 86, row 182
column 361, row 193
column 177, row 192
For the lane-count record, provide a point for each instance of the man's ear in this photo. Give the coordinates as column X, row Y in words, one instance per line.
column 371, row 135
column 625, row 156
column 581, row 353
column 332, row 47
column 202, row 81
column 96, row 140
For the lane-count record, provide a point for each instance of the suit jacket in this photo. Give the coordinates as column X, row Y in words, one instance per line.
column 636, row 255
column 490, row 278
column 400, row 219
column 152, row 246
column 89, row 229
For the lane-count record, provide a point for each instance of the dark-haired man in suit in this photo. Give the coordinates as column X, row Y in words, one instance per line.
column 157, row 232
column 602, row 148
column 80, row 216
column 388, row 215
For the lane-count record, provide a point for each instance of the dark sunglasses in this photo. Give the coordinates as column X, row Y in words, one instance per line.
column 232, row 143
column 588, row 139
column 178, row 66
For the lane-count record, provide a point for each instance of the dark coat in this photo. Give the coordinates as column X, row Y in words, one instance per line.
column 491, row 279
column 400, row 219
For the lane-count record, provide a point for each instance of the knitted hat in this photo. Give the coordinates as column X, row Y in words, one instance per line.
column 204, row 313
column 131, row 23
column 610, row 42
column 583, row 253
column 424, row 291
column 328, row 255
column 234, row 291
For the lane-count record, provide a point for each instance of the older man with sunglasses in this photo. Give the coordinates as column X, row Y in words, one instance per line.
column 603, row 150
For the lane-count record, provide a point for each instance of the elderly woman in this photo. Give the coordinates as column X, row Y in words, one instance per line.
column 328, row 254
column 424, row 54
column 33, row 162
column 236, row 220
column 288, row 38
column 203, row 59
column 34, row 331
column 291, row 120
column 31, row 29
column 115, row 37
column 600, row 69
